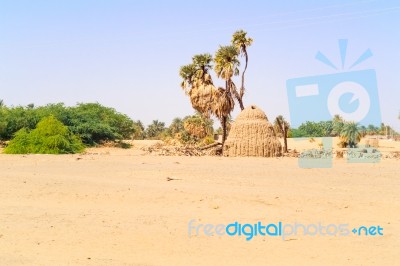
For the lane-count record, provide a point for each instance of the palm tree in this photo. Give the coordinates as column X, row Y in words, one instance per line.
column 351, row 134
column 155, row 129
column 241, row 42
column 187, row 73
column 176, row 126
column 226, row 66
column 202, row 63
column 198, row 84
column 283, row 127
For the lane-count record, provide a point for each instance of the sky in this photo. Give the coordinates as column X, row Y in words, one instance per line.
column 127, row 54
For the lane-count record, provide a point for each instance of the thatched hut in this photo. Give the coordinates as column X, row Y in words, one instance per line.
column 252, row 135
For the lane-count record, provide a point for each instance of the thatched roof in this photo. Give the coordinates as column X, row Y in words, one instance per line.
column 252, row 135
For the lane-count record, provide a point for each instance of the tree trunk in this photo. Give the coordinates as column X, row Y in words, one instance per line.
column 244, row 71
column 284, row 131
column 223, row 124
column 232, row 89
column 285, row 140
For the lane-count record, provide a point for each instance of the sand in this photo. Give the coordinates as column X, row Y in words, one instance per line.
column 116, row 207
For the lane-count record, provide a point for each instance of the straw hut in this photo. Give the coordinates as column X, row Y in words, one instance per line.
column 252, row 135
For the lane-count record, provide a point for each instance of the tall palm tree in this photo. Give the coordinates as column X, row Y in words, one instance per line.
column 226, row 66
column 283, row 127
column 351, row 134
column 241, row 42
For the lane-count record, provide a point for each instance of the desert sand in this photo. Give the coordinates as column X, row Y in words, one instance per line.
column 116, row 207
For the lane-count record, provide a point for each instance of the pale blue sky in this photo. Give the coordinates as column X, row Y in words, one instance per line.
column 126, row 54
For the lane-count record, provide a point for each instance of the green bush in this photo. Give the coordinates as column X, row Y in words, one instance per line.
column 49, row 137
column 95, row 123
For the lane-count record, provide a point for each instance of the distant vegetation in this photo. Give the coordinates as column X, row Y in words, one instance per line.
column 57, row 129
column 194, row 129
column 349, row 132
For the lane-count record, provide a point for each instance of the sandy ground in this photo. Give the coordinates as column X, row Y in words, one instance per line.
column 116, row 207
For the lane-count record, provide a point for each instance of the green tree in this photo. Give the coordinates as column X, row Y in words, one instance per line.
column 95, row 123
column 155, row 129
column 226, row 66
column 176, row 126
column 49, row 137
column 241, row 42
column 351, row 134
column 309, row 129
column 138, row 130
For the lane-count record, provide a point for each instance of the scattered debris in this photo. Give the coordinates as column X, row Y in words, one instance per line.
column 164, row 149
column 392, row 155
column 292, row 153
column 170, row 178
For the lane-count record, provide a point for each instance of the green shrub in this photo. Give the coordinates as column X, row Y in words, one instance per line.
column 49, row 137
